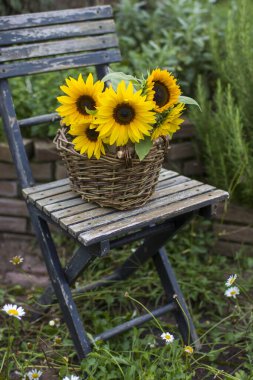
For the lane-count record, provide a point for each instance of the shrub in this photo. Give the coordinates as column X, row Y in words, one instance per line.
column 225, row 126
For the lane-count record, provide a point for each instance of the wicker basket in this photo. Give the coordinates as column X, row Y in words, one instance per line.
column 108, row 181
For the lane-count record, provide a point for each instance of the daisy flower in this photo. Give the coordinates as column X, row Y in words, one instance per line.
column 34, row 374
column 231, row 280
column 167, row 337
column 16, row 260
column 72, row 377
column 232, row 292
column 14, row 310
column 188, row 350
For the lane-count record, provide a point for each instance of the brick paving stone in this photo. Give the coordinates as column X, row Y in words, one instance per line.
column 8, row 189
column 42, row 171
column 24, row 279
column 13, row 224
column 15, row 207
column 45, row 151
column 7, row 171
column 5, row 154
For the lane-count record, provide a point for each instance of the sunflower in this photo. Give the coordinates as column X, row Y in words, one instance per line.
column 81, row 95
column 170, row 122
column 87, row 141
column 162, row 88
column 123, row 115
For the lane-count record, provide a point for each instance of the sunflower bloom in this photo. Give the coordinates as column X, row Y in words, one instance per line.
column 170, row 123
column 14, row 310
column 79, row 96
column 87, row 141
column 124, row 115
column 162, row 89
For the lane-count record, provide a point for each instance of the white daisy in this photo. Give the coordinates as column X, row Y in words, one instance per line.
column 16, row 260
column 231, row 280
column 14, row 311
column 72, row 377
column 34, row 374
column 167, row 337
column 232, row 292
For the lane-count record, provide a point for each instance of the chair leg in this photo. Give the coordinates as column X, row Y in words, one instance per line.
column 80, row 260
column 173, row 292
column 61, row 286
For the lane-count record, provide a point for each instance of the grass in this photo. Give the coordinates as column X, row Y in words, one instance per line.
column 225, row 325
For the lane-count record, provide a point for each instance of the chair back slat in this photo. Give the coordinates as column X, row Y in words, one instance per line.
column 54, row 17
column 58, row 40
column 55, row 32
column 60, row 63
column 73, row 45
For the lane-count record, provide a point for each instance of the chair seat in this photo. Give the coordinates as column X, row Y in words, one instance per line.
column 89, row 223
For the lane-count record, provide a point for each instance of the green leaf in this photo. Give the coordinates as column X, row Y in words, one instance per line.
column 116, row 77
column 188, row 100
column 143, row 147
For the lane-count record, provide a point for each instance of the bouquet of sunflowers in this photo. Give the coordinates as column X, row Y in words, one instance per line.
column 130, row 112
column 121, row 126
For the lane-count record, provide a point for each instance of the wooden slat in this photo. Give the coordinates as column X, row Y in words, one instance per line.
column 59, row 63
column 49, row 193
column 44, row 186
column 158, row 214
column 54, row 17
column 46, row 33
column 74, row 216
column 62, row 205
column 72, row 209
column 60, row 47
column 56, row 198
column 168, row 196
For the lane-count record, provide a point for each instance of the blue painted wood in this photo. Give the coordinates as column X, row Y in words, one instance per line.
column 14, row 137
column 135, row 322
column 60, row 285
column 59, row 63
column 174, row 294
column 55, row 17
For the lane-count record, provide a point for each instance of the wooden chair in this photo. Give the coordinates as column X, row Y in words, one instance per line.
column 58, row 40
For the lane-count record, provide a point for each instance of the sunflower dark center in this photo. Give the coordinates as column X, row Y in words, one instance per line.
column 91, row 134
column 162, row 95
column 124, row 113
column 85, row 101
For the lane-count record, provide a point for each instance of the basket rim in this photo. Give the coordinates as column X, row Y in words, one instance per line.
column 62, row 143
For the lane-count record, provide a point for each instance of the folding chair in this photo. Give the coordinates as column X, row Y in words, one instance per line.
column 58, row 40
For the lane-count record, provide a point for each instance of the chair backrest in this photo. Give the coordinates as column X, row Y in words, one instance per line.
column 57, row 40
column 50, row 41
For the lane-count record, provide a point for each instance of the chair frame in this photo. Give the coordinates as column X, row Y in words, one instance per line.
column 155, row 236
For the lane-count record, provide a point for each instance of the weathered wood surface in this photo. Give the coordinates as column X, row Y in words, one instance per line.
column 55, row 32
column 59, row 63
column 55, row 17
column 90, row 223
column 46, row 49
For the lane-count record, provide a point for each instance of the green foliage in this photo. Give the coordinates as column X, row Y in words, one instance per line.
column 168, row 33
column 225, row 126
column 220, row 131
column 225, row 330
